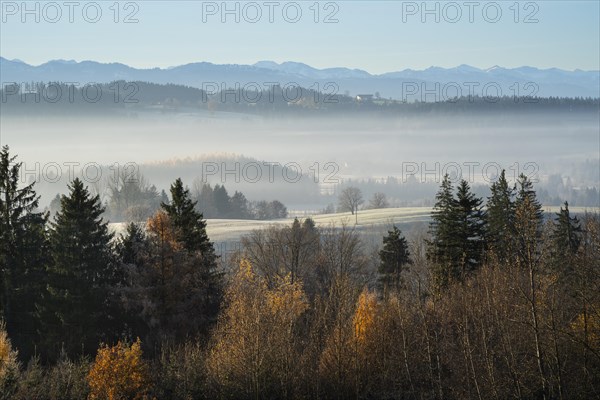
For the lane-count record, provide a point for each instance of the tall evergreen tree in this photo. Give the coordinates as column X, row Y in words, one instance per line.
column 79, row 309
column 394, row 256
column 469, row 234
column 133, row 245
column 440, row 224
column 190, row 225
column 239, row 206
column 198, row 260
column 566, row 238
column 222, row 201
column 457, row 233
column 500, row 217
column 528, row 223
column 441, row 228
column 23, row 255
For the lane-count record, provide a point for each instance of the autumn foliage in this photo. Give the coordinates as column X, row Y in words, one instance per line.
column 119, row 373
column 255, row 350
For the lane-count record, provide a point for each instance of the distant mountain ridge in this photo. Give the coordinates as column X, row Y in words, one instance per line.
column 428, row 83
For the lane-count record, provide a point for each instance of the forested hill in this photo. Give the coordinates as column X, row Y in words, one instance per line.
column 129, row 98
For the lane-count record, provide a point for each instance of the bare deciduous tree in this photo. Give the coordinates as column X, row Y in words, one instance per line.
column 378, row 201
column 350, row 199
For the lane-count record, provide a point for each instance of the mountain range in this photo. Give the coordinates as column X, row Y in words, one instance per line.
column 434, row 83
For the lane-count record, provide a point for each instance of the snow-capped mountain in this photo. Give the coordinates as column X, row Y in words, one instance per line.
column 398, row 85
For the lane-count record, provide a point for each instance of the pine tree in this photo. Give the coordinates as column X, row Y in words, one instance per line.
column 441, row 228
column 82, row 272
column 566, row 238
column 500, row 217
column 23, row 255
column 190, row 225
column 458, row 233
column 133, row 245
column 198, row 257
column 394, row 256
column 528, row 223
column 469, row 234
column 239, row 206
column 222, row 201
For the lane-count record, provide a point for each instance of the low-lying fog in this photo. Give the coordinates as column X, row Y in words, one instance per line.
column 567, row 144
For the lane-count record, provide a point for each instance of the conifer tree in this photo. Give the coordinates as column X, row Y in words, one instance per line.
column 23, row 255
column 469, row 234
column 500, row 217
column 566, row 238
column 394, row 256
column 528, row 223
column 82, row 272
column 190, row 225
column 197, row 261
column 133, row 245
column 441, row 227
column 458, row 233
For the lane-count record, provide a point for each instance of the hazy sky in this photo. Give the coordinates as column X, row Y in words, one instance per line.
column 378, row 36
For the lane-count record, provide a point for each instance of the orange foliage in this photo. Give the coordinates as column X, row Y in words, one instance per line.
column 161, row 226
column 364, row 317
column 286, row 300
column 119, row 373
column 8, row 357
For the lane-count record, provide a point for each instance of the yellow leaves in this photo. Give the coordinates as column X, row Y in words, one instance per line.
column 119, row 373
column 246, row 272
column 286, row 299
column 8, row 356
column 255, row 337
column 365, row 315
column 588, row 325
column 162, row 227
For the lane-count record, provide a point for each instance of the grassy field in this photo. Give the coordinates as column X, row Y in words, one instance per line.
column 226, row 230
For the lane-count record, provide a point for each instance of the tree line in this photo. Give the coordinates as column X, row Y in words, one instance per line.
column 491, row 302
column 130, row 197
column 127, row 97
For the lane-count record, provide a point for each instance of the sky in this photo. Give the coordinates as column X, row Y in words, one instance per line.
column 376, row 36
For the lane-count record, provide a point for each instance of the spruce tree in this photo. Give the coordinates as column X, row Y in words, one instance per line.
column 394, row 256
column 239, row 206
column 82, row 273
column 528, row 224
column 441, row 228
column 23, row 255
column 565, row 239
column 457, row 232
column 198, row 260
column 469, row 233
column 441, row 224
column 500, row 218
column 133, row 246
column 190, row 225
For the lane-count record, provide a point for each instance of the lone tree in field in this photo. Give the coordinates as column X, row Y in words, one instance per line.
column 350, row 199
column 378, row 201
